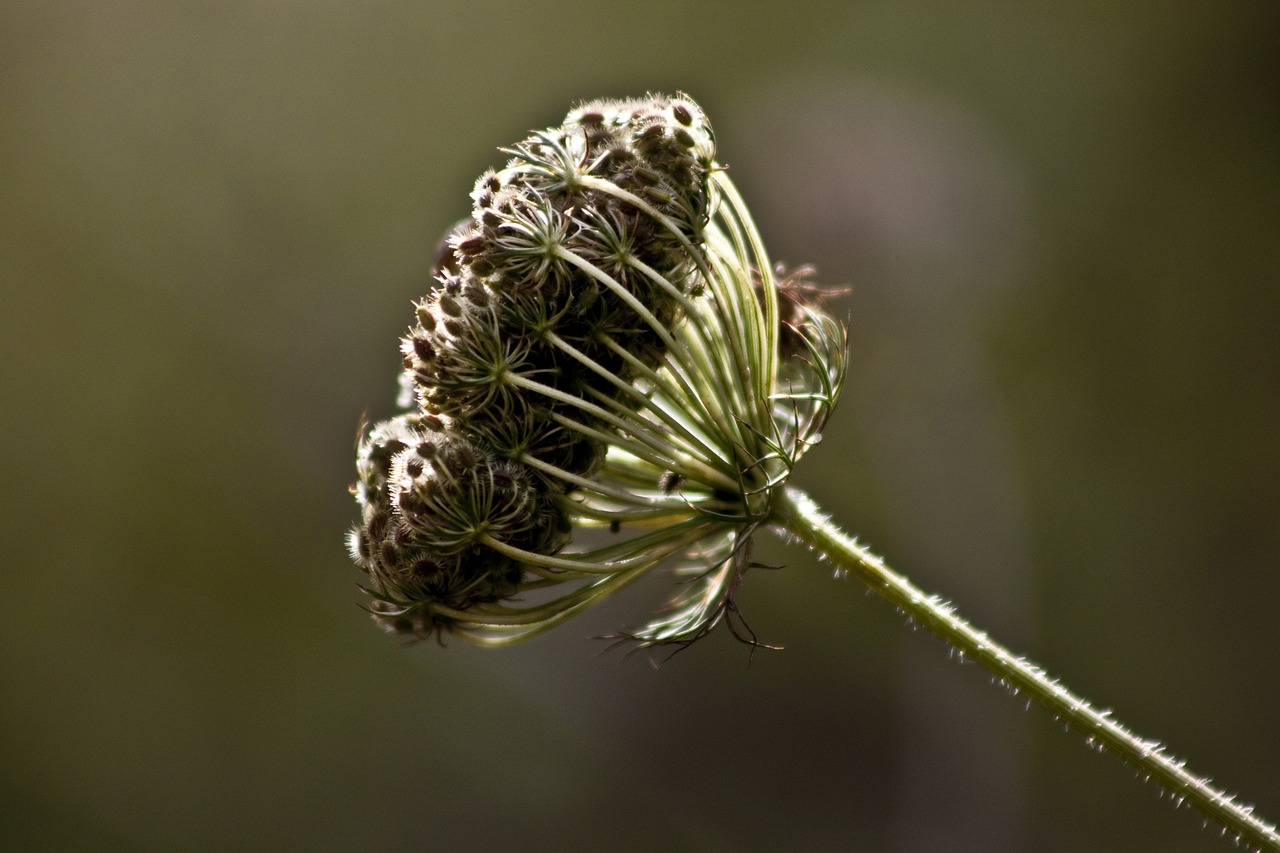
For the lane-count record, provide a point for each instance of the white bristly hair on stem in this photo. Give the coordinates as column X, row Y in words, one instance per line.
column 797, row 516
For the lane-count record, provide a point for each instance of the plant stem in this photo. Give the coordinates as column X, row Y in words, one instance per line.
column 797, row 514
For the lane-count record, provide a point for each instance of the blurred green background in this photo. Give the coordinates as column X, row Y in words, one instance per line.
column 1061, row 223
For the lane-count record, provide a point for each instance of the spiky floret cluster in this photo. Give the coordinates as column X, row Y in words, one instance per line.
column 602, row 349
column 524, row 301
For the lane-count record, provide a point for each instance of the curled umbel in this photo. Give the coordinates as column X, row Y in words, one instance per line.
column 602, row 348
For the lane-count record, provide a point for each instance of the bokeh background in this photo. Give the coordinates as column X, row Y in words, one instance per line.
column 1061, row 224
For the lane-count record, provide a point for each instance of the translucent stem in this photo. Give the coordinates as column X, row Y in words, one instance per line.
column 798, row 515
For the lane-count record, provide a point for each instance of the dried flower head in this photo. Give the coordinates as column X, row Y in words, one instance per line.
column 607, row 347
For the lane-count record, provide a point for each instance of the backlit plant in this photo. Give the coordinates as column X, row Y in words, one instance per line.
column 611, row 376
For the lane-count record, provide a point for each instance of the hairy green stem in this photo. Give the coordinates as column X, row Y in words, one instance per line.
column 797, row 514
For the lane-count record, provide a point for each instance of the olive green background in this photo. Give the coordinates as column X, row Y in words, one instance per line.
column 1061, row 224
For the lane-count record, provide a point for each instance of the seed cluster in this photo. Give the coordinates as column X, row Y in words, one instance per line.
column 556, row 291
